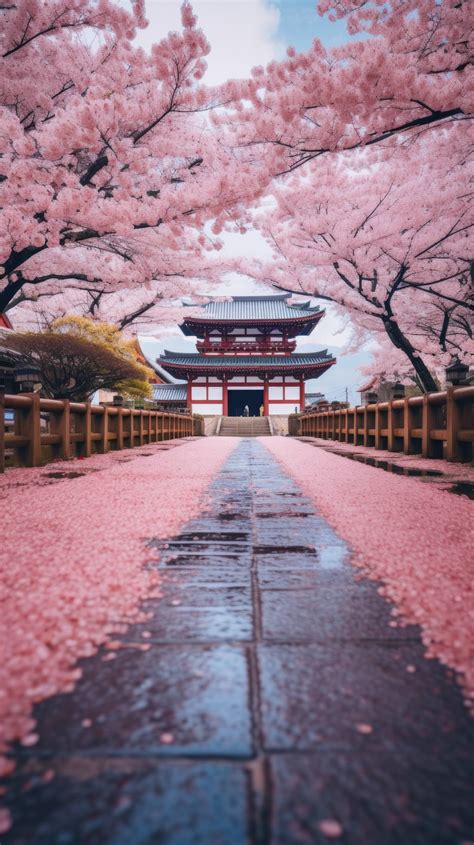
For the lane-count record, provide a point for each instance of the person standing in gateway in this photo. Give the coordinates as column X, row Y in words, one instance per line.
column 246, row 411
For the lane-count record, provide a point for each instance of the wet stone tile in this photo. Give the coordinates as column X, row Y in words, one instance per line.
column 198, row 694
column 211, row 577
column 283, row 532
column 315, row 696
column 333, row 554
column 279, row 560
column 332, row 609
column 286, row 579
column 200, row 553
column 122, row 801
column 204, row 613
column 379, row 799
column 228, row 522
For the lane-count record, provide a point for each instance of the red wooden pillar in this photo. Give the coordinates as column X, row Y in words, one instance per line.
column 302, row 395
column 225, row 398
column 189, row 403
column 265, row 398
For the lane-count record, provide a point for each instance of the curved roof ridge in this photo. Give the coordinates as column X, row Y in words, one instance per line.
column 272, row 297
column 238, row 360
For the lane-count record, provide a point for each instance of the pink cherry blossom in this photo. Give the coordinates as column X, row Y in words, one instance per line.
column 364, row 728
column 330, row 828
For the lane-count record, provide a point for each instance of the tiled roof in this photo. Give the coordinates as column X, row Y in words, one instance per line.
column 169, row 393
column 312, row 397
column 5, row 322
column 369, row 385
column 211, row 361
column 257, row 308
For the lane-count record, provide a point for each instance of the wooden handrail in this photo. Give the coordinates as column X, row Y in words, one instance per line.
column 43, row 430
column 437, row 425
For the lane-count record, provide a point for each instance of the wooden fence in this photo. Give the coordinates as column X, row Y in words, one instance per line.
column 35, row 431
column 436, row 425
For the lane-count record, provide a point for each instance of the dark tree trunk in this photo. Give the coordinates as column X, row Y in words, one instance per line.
column 424, row 377
column 8, row 293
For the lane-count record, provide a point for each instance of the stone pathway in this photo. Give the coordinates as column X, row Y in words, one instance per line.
column 241, row 725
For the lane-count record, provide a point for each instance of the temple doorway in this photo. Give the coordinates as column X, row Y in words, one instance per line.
column 238, row 399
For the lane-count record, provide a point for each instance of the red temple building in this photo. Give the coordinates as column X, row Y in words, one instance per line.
column 246, row 355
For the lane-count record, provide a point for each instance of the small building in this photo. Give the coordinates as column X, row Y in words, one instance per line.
column 312, row 398
column 170, row 397
column 9, row 360
column 377, row 389
column 246, row 356
column 369, row 391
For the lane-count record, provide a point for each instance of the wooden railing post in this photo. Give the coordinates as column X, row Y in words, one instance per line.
column 30, row 427
column 426, row 450
column 407, row 427
column 119, row 440
column 61, row 424
column 2, row 431
column 87, row 431
column 104, row 431
column 458, row 417
column 127, row 428
column 390, row 427
column 353, row 413
column 365, row 434
column 431, row 447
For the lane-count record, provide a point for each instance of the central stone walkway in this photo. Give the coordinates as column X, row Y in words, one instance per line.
column 274, row 698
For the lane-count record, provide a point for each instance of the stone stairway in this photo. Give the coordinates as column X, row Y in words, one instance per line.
column 245, row 427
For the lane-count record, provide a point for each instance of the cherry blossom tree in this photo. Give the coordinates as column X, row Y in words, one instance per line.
column 390, row 245
column 108, row 167
column 410, row 74
column 177, row 274
column 399, row 96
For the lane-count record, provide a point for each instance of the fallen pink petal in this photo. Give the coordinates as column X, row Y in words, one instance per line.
column 330, row 828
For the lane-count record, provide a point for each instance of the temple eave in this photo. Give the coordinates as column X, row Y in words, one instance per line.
column 305, row 370
column 304, row 323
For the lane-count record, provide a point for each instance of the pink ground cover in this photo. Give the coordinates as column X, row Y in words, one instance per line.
column 72, row 554
column 451, row 471
column 414, row 538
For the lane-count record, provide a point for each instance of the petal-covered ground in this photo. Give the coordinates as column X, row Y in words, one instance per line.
column 72, row 554
column 415, row 539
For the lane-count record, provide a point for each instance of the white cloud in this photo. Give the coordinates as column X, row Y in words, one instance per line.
column 242, row 33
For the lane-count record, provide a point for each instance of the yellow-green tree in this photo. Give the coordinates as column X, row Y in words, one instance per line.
column 77, row 356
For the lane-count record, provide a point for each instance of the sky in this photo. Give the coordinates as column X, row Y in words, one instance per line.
column 245, row 33
column 242, row 34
